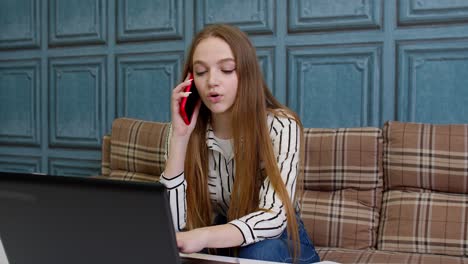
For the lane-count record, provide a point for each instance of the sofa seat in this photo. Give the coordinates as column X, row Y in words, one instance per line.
column 369, row 195
column 342, row 255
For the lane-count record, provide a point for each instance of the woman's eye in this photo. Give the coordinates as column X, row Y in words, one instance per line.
column 200, row 73
column 228, row 71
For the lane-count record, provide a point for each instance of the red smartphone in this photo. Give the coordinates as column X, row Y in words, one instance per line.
column 187, row 104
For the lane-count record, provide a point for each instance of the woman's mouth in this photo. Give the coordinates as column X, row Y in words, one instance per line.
column 214, row 97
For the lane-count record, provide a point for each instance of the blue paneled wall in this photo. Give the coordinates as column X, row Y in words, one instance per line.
column 70, row 67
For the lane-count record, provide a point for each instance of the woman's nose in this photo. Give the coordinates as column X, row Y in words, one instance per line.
column 213, row 78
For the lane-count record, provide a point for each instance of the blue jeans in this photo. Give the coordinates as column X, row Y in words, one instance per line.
column 278, row 249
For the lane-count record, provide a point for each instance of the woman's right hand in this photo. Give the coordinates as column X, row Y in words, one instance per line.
column 179, row 128
column 180, row 132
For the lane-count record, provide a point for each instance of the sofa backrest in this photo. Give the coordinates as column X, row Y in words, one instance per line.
column 343, row 186
column 342, row 169
column 425, row 206
column 135, row 150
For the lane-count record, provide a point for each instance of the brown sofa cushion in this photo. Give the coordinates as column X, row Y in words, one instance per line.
column 105, row 163
column 425, row 208
column 343, row 158
column 376, row 256
column 427, row 156
column 343, row 186
column 137, row 147
column 424, row 222
column 347, row 218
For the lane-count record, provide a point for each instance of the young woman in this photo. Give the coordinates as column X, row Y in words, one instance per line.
column 232, row 173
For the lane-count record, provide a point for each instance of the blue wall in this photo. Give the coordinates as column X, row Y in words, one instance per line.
column 69, row 67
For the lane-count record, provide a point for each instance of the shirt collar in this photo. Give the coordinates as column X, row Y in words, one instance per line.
column 212, row 142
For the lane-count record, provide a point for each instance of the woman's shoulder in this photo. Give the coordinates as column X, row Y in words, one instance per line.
column 278, row 119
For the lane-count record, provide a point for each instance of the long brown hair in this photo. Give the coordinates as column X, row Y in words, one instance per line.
column 251, row 138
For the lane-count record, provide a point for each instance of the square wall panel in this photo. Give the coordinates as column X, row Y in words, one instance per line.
column 20, row 24
column 251, row 16
column 429, row 12
column 266, row 60
column 337, row 86
column 17, row 163
column 20, row 102
column 73, row 22
column 145, row 83
column 321, row 15
column 150, row 20
column 432, row 85
column 74, row 167
column 77, row 101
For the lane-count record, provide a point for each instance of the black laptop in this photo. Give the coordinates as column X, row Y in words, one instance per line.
column 57, row 219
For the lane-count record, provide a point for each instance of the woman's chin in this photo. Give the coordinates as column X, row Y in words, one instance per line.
column 217, row 110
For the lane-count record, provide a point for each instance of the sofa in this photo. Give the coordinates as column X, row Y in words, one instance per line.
column 397, row 194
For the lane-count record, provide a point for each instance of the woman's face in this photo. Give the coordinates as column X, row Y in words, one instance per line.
column 215, row 74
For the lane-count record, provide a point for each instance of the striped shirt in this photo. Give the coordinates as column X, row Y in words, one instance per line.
column 258, row 225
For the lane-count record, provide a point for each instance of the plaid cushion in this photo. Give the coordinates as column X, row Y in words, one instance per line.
column 376, row 256
column 105, row 163
column 138, row 146
column 343, row 185
column 343, row 158
column 348, row 218
column 433, row 157
column 424, row 222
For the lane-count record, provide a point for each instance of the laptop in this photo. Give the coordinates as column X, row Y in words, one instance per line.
column 58, row 219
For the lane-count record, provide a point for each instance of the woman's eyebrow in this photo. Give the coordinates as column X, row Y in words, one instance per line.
column 225, row 60
column 219, row 62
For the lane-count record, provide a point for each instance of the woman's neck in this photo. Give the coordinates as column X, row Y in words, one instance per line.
column 221, row 124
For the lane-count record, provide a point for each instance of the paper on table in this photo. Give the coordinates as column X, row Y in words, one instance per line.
column 3, row 257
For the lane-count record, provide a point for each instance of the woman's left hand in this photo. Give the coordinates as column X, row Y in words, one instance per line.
column 191, row 241
column 216, row 236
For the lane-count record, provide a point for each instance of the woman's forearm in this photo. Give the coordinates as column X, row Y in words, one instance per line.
column 176, row 157
column 219, row 236
column 223, row 236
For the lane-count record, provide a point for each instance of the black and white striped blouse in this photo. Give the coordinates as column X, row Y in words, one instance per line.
column 259, row 225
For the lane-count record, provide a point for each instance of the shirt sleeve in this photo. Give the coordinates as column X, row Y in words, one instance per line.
column 176, row 189
column 271, row 222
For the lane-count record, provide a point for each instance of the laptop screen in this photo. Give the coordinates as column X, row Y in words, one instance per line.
column 56, row 219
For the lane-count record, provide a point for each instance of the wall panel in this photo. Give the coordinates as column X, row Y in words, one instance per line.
column 336, row 86
column 20, row 102
column 77, row 99
column 68, row 68
column 20, row 24
column 429, row 12
column 73, row 22
column 149, row 20
column 315, row 15
column 15, row 163
column 74, row 167
column 144, row 84
column 433, row 82
column 252, row 16
column 266, row 59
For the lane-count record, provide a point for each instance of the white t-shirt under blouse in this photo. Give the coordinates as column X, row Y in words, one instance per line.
column 258, row 225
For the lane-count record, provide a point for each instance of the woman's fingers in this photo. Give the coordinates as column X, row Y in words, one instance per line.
column 180, row 243
column 182, row 85
column 178, row 91
column 177, row 95
column 189, row 242
column 196, row 111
